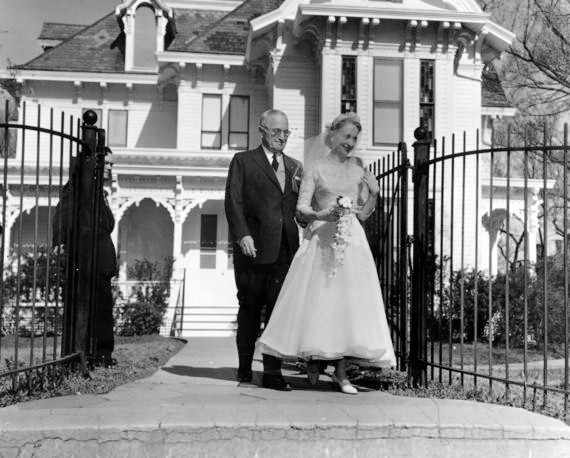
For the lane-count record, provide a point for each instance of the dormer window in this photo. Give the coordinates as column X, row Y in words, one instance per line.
column 148, row 28
column 144, row 55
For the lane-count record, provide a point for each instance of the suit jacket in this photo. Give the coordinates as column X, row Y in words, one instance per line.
column 255, row 204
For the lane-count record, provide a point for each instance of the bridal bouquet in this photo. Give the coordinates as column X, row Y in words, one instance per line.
column 341, row 237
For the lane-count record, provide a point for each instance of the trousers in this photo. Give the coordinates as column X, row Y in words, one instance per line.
column 258, row 287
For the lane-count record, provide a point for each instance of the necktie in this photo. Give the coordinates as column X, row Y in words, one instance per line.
column 275, row 162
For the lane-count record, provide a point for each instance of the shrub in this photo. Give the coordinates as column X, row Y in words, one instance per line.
column 526, row 299
column 144, row 310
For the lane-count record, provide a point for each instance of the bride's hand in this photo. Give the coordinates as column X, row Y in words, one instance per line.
column 327, row 214
column 370, row 180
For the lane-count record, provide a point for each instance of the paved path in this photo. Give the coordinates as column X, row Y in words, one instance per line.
column 192, row 407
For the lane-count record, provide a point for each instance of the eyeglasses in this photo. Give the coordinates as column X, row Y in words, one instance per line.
column 276, row 132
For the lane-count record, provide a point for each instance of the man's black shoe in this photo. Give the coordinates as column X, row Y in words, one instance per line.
column 244, row 376
column 275, row 382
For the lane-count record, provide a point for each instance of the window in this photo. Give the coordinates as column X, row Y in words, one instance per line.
column 117, row 131
column 98, row 112
column 348, row 84
column 427, row 101
column 208, row 241
column 238, row 137
column 387, row 126
column 211, row 121
column 144, row 56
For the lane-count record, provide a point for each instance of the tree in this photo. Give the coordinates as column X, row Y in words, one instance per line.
column 536, row 69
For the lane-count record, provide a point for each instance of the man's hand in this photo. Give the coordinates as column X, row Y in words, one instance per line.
column 301, row 220
column 247, row 246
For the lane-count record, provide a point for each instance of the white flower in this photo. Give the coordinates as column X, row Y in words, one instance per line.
column 341, row 236
column 344, row 202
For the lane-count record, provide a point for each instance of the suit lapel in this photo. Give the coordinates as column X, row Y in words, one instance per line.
column 261, row 160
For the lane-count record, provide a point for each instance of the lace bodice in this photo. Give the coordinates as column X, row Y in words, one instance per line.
column 324, row 180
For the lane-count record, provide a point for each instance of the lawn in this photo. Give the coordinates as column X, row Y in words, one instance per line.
column 137, row 357
column 452, row 385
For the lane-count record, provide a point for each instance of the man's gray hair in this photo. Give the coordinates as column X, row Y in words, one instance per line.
column 267, row 113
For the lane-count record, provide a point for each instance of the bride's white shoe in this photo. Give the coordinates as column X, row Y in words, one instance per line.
column 344, row 385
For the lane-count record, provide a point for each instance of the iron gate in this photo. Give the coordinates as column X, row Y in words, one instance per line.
column 484, row 294
column 47, row 254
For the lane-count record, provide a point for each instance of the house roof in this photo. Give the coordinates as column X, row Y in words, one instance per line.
column 59, row 31
column 229, row 34
column 97, row 47
column 492, row 93
column 90, row 48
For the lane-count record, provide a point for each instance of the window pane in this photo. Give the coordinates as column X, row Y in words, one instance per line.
column 212, row 113
column 388, row 80
column 426, row 81
column 211, row 140
column 208, row 241
column 145, row 38
column 117, row 132
column 348, row 84
column 387, row 123
column 239, row 114
column 238, row 141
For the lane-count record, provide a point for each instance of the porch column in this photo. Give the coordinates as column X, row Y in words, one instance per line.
column 178, row 220
column 177, row 239
column 114, row 206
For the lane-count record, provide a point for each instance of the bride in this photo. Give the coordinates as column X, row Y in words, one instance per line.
column 330, row 307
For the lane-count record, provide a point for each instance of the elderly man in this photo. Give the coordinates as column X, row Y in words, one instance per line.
column 261, row 198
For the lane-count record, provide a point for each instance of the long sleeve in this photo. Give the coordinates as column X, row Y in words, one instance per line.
column 234, row 204
column 308, row 184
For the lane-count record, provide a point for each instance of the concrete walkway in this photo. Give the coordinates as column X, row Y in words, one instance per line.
column 192, row 407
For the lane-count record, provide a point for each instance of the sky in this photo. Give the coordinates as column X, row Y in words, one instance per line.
column 21, row 22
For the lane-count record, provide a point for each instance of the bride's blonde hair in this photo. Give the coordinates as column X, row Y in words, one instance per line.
column 339, row 122
column 343, row 119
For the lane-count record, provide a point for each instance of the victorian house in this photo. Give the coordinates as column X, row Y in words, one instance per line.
column 180, row 85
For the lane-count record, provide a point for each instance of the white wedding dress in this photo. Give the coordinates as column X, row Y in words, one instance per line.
column 320, row 314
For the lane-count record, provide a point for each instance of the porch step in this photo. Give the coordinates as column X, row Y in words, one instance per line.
column 207, row 333
column 192, row 311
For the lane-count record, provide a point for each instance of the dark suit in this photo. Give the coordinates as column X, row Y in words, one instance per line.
column 256, row 205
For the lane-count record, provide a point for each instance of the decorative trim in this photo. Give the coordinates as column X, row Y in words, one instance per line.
column 200, row 58
column 86, row 77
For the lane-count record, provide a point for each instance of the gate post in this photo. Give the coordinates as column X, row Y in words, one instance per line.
column 403, row 254
column 80, row 222
column 420, row 299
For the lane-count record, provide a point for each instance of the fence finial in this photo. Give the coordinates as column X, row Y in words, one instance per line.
column 420, row 133
column 90, row 117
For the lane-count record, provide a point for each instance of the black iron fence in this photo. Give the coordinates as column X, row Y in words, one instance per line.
column 45, row 309
column 387, row 234
column 488, row 288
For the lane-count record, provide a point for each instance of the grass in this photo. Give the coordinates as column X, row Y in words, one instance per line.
column 452, row 385
column 137, row 357
column 471, row 353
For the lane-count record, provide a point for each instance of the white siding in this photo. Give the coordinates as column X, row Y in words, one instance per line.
column 296, row 93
